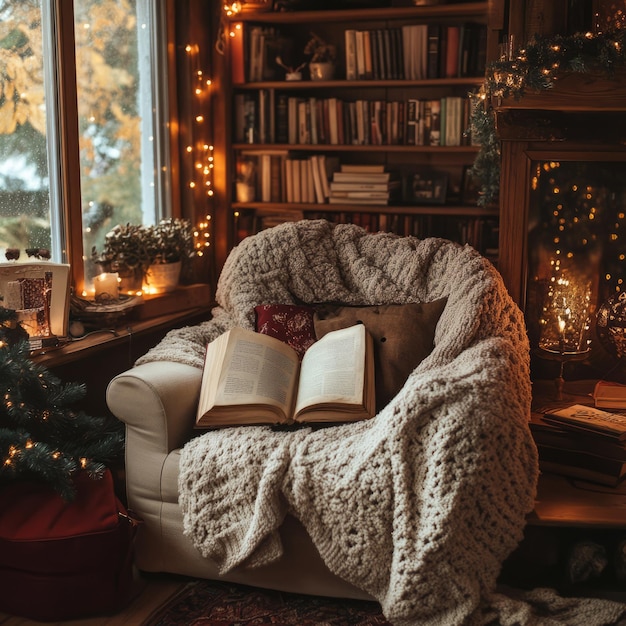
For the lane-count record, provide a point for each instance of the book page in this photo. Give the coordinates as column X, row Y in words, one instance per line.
column 257, row 369
column 333, row 369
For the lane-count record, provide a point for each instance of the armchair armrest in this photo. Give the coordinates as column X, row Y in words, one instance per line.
column 158, row 401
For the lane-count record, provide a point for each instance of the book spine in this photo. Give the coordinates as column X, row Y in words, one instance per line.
column 433, row 50
column 292, row 119
column 360, row 55
column 380, row 48
column 367, row 51
column 282, row 120
column 452, row 52
column 350, row 43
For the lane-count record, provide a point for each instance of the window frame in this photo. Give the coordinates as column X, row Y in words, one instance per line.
column 64, row 141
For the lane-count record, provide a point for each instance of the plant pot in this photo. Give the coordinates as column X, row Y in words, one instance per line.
column 322, row 71
column 162, row 277
column 131, row 279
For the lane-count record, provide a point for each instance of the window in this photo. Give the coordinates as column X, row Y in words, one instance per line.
column 81, row 135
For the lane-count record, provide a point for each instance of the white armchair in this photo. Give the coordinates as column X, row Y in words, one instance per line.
column 157, row 401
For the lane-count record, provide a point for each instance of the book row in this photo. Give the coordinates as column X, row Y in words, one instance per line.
column 479, row 232
column 279, row 176
column 267, row 118
column 407, row 52
column 416, row 52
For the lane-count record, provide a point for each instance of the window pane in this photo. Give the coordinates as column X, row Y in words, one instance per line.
column 116, row 127
column 24, row 176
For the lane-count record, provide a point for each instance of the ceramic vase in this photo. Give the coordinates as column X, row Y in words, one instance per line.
column 322, row 71
column 162, row 277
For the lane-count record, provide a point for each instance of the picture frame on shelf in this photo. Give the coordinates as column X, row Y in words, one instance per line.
column 426, row 188
column 40, row 294
column 470, row 187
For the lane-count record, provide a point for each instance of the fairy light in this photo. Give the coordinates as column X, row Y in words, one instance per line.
column 200, row 150
column 232, row 9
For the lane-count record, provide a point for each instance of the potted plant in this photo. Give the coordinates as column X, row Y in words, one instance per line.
column 322, row 58
column 170, row 247
column 127, row 250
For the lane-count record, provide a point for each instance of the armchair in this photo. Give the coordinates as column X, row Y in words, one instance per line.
column 435, row 487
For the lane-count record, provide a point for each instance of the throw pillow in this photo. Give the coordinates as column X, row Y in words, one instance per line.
column 403, row 337
column 290, row 323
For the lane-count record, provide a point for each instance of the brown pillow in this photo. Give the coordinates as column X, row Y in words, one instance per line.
column 403, row 337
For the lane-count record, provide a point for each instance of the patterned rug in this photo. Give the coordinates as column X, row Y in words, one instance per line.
column 210, row 603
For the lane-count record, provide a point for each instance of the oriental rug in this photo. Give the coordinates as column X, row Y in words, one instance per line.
column 211, row 603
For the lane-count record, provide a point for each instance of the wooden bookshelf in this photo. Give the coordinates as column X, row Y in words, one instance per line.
column 450, row 162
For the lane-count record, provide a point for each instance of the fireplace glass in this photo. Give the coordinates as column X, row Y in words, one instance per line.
column 576, row 258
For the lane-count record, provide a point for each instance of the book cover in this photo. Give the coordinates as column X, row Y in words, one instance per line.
column 590, row 419
column 554, row 435
column 609, row 395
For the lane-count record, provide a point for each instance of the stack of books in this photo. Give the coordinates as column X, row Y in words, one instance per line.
column 582, row 442
column 362, row 184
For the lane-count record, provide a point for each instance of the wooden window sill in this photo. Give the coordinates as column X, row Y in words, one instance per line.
column 188, row 304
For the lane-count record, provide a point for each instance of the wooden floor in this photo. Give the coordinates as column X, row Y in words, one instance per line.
column 152, row 591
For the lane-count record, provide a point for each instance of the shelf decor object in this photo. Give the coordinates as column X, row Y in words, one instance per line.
column 94, row 314
column 536, row 67
column 39, row 293
column 611, row 325
column 565, row 321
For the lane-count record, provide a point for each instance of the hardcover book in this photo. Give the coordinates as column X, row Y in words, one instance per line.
column 590, row 419
column 252, row 378
column 609, row 395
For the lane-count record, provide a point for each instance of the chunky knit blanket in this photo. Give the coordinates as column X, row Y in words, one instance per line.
column 418, row 506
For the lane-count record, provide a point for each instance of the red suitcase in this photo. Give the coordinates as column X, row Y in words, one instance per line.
column 64, row 560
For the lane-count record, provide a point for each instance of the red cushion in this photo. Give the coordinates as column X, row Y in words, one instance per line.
column 290, row 323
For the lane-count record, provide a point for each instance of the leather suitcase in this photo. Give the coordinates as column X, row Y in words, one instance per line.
column 64, row 560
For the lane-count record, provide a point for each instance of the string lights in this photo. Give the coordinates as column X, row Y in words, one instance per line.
column 200, row 149
column 534, row 67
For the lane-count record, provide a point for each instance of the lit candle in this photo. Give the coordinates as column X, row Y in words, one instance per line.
column 106, row 287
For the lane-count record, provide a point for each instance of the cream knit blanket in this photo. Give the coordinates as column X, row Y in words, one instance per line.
column 418, row 506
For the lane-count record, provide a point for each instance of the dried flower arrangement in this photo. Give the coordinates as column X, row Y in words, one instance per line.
column 319, row 51
column 137, row 247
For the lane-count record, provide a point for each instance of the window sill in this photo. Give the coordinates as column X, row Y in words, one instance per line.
column 188, row 304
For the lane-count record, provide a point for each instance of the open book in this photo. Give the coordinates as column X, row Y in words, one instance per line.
column 251, row 378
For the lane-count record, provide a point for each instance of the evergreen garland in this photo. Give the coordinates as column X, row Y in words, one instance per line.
column 41, row 437
column 535, row 67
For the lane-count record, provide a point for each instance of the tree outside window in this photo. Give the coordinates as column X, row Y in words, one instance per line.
column 115, row 95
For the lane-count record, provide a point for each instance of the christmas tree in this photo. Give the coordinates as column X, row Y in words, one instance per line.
column 41, row 437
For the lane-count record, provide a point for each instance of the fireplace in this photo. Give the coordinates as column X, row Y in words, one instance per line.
column 563, row 230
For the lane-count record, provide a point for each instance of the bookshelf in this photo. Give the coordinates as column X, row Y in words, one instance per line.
column 363, row 116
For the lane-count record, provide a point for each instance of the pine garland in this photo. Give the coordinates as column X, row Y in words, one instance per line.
column 535, row 67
